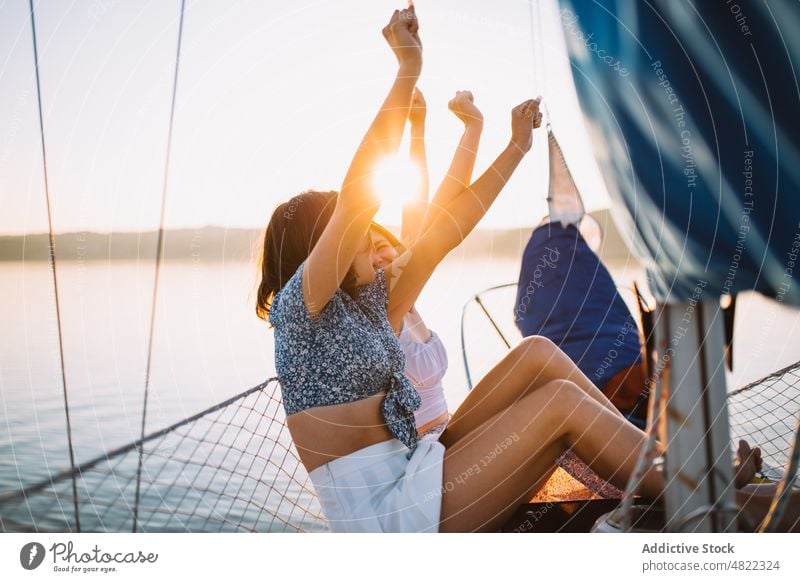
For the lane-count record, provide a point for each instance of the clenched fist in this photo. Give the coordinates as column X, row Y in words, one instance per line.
column 402, row 34
column 524, row 118
column 463, row 106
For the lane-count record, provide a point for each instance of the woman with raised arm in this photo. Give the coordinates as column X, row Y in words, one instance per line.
column 425, row 354
column 350, row 407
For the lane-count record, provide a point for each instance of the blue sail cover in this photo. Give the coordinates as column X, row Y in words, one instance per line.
column 692, row 109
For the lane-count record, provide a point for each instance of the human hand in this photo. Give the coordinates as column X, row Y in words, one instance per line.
column 463, row 106
column 524, row 117
column 418, row 109
column 402, row 34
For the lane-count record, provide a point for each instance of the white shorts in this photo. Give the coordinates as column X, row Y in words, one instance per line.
column 377, row 489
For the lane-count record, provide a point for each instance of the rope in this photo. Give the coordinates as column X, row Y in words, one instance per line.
column 537, row 46
column 773, row 378
column 159, row 253
column 52, row 261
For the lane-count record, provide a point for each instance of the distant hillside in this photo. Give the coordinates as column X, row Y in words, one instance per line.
column 213, row 243
column 511, row 243
column 208, row 243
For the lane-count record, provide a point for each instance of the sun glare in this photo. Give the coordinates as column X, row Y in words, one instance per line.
column 396, row 180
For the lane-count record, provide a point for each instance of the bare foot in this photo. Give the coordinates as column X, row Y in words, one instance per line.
column 748, row 462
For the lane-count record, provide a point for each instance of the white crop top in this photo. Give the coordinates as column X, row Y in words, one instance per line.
column 426, row 364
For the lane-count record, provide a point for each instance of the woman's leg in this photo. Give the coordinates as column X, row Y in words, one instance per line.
column 530, row 365
column 493, row 468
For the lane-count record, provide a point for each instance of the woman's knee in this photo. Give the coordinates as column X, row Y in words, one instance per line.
column 558, row 397
column 537, row 343
column 552, row 408
column 535, row 349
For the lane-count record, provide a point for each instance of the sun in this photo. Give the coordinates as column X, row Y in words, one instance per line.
column 396, row 180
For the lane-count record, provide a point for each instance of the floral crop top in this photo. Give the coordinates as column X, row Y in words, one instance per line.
column 347, row 353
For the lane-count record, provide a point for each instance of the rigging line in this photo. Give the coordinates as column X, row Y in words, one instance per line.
column 52, row 261
column 159, row 253
column 532, row 15
column 537, row 46
column 538, row 168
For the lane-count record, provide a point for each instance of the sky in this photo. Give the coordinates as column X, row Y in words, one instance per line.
column 272, row 99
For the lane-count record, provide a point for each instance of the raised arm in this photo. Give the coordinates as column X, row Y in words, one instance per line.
column 414, row 209
column 357, row 203
column 459, row 174
column 416, row 218
column 452, row 222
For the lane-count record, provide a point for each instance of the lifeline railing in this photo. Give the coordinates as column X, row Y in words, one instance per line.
column 232, row 467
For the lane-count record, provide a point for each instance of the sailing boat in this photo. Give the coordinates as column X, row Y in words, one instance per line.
column 161, row 481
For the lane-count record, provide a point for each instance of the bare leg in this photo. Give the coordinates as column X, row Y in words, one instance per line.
column 491, row 470
column 530, row 365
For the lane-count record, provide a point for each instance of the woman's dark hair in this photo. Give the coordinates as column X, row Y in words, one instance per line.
column 293, row 230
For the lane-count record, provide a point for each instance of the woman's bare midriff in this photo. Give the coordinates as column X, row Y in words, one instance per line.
column 325, row 433
column 443, row 417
